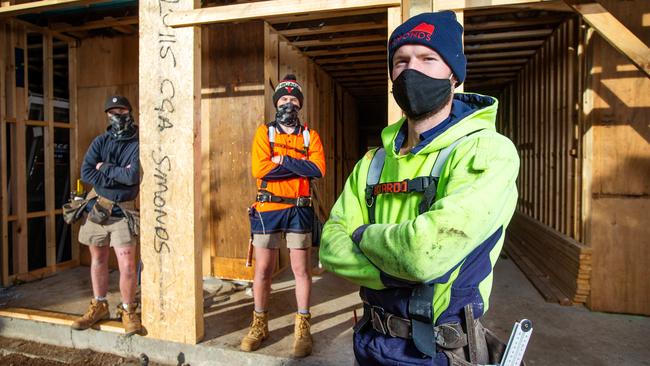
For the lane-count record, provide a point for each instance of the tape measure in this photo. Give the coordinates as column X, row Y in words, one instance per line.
column 517, row 343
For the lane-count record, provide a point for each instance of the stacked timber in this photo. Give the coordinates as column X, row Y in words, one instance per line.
column 558, row 266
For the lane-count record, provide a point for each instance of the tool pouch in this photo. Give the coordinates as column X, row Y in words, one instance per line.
column 101, row 211
column 74, row 210
column 132, row 216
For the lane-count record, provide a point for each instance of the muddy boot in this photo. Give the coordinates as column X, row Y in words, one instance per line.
column 259, row 331
column 303, row 342
column 130, row 319
column 98, row 310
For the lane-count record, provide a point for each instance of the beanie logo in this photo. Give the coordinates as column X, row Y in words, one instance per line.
column 289, row 89
column 422, row 31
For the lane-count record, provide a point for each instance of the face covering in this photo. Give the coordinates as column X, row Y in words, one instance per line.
column 287, row 115
column 419, row 95
column 120, row 123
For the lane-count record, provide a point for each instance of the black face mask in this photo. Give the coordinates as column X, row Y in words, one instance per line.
column 420, row 95
column 287, row 115
column 120, row 123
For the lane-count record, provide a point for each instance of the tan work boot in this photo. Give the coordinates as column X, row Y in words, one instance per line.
column 259, row 331
column 130, row 319
column 97, row 310
column 303, row 342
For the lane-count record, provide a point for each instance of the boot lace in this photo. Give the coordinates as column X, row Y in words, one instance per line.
column 303, row 328
column 257, row 328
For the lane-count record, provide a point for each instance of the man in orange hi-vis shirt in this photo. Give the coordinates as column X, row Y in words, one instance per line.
column 287, row 155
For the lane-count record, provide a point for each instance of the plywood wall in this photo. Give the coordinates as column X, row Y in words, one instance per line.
column 540, row 113
column 106, row 66
column 618, row 116
column 233, row 94
column 242, row 65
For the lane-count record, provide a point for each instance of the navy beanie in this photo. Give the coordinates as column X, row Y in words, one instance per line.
column 288, row 86
column 439, row 31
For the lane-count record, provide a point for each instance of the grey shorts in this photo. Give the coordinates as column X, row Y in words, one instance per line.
column 276, row 240
column 115, row 232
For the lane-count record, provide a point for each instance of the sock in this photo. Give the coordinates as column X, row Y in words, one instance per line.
column 100, row 298
column 125, row 306
column 303, row 311
column 260, row 311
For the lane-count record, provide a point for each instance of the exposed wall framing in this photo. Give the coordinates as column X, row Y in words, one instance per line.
column 17, row 104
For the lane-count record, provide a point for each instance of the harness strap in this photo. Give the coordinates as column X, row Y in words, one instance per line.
column 374, row 173
column 429, row 195
column 266, row 196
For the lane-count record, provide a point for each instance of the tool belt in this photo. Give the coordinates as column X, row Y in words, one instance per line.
column 101, row 211
column 449, row 335
column 266, row 196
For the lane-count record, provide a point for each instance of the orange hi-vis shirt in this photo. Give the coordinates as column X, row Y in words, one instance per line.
column 295, row 171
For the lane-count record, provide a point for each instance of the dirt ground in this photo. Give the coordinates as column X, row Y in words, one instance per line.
column 14, row 352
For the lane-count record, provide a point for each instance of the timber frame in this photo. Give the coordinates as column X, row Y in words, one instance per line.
column 340, row 36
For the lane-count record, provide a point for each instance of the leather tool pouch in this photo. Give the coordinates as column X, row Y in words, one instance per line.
column 101, row 211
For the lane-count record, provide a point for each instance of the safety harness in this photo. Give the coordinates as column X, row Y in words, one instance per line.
column 265, row 196
column 419, row 326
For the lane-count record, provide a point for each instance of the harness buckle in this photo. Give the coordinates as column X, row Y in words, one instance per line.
column 304, row 201
column 418, row 184
column 263, row 196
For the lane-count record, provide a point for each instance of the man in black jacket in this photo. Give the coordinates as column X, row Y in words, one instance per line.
column 112, row 167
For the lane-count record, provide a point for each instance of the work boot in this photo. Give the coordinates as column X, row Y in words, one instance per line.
column 259, row 331
column 303, row 342
column 98, row 310
column 130, row 319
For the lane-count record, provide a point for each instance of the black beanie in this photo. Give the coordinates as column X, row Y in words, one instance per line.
column 439, row 31
column 288, row 86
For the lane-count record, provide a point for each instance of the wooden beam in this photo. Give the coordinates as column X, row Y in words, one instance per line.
column 362, row 78
column 124, row 29
column 379, row 71
column 502, row 46
column 615, row 33
column 497, row 55
column 345, row 51
column 338, row 41
column 74, row 135
column 394, row 111
column 493, row 69
column 54, row 317
column 537, row 33
column 48, row 144
column 340, row 60
column 511, row 24
column 478, row 4
column 20, row 244
column 170, row 154
column 355, row 66
column 472, row 77
column 36, row 7
column 107, row 22
column 514, row 61
column 351, row 27
column 4, row 226
column 323, row 15
column 268, row 10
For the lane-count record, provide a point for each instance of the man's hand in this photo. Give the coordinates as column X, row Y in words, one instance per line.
column 99, row 165
column 277, row 159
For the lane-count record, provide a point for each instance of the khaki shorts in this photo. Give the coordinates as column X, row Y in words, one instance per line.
column 275, row 240
column 114, row 232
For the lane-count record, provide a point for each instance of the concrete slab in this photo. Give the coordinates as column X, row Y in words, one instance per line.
column 562, row 335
